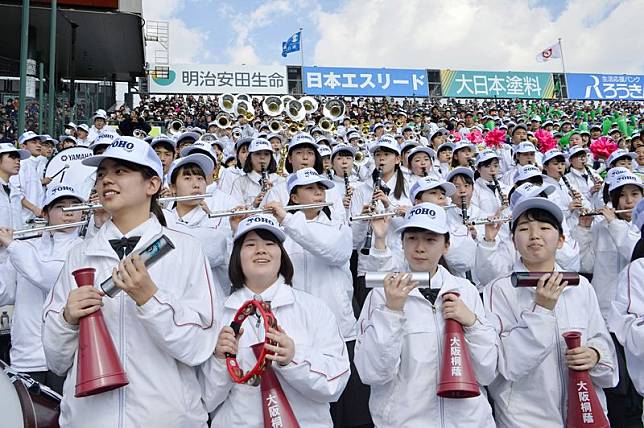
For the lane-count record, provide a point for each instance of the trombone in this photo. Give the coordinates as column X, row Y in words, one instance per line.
column 19, row 234
column 230, row 213
column 91, row 207
column 361, row 158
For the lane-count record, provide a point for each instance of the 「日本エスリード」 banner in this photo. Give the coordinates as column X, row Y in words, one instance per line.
column 496, row 84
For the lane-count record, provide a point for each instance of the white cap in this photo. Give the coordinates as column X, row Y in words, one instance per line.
column 536, row 118
column 63, row 138
column 29, row 135
column 426, row 216
column 528, row 203
column 260, row 221
column 71, row 125
column 445, row 145
column 525, row 147
column 100, row 114
column 551, row 154
column 274, row 135
column 306, row 176
column 430, row 152
column 575, row 150
column 163, row 139
column 485, row 156
column 324, row 150
column 188, row 134
column 9, row 147
column 205, row 163
column 613, row 172
column 618, row 154
column 83, row 127
column 105, row 137
column 301, row 138
column 386, row 142
column 638, row 215
column 464, row 144
column 59, row 191
column 199, row 146
column 529, row 190
column 343, row 148
column 525, row 172
column 259, row 144
column 129, row 149
column 621, row 180
column 428, row 183
column 460, row 170
column 351, row 135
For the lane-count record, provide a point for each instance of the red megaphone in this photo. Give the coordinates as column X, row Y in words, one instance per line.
column 274, row 402
column 584, row 408
column 99, row 367
column 457, row 375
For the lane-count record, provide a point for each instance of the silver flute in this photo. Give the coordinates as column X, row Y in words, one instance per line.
column 230, row 213
column 36, row 230
column 367, row 217
column 91, row 207
column 480, row 221
column 598, row 212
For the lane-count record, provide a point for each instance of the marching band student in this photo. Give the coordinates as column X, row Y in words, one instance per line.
column 163, row 324
column 463, row 153
column 524, row 154
column 188, row 177
column 625, row 320
column 406, row 147
column 444, row 158
column 303, row 153
column 607, row 244
column 260, row 174
column 28, row 180
column 325, row 154
column 489, row 194
column 10, row 195
column 310, row 358
column 241, row 151
column 36, row 264
column 99, row 125
column 166, row 149
column 530, row 389
column 398, row 352
column 582, row 178
column 421, row 164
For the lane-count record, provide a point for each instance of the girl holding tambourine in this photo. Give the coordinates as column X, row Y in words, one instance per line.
column 310, row 359
column 401, row 329
column 163, row 322
column 533, row 363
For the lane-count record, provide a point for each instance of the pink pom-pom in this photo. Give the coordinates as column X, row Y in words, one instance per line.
column 475, row 136
column 603, row 147
column 495, row 138
column 545, row 140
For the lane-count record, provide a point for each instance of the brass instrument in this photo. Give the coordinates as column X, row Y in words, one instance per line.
column 264, row 180
column 244, row 108
column 377, row 186
column 334, row 110
column 295, row 110
column 293, row 129
column 325, row 124
column 140, row 134
column 91, row 207
column 229, row 213
column 175, row 127
column 237, row 134
column 272, row 106
column 389, row 127
column 21, row 233
column 223, row 121
column 226, row 103
column 275, row 126
column 399, row 123
column 216, row 175
column 365, row 128
column 353, row 123
column 310, row 104
column 361, row 158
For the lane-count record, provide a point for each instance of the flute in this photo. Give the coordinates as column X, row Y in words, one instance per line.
column 598, row 212
column 91, row 207
column 230, row 213
column 479, row 221
column 366, row 217
column 35, row 230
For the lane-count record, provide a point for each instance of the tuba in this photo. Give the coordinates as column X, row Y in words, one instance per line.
column 310, row 104
column 175, row 127
column 275, row 126
column 223, row 121
column 295, row 110
column 334, row 110
column 273, row 106
column 325, row 124
column 244, row 108
column 226, row 102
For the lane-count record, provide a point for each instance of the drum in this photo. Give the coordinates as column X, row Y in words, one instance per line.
column 25, row 403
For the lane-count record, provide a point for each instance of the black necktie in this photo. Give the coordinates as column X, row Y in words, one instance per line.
column 492, row 187
column 7, row 189
column 585, row 177
column 124, row 246
column 430, row 293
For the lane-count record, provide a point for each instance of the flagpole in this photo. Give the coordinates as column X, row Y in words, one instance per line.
column 301, row 49
column 563, row 64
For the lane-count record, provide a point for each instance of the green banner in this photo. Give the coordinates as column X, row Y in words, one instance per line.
column 492, row 84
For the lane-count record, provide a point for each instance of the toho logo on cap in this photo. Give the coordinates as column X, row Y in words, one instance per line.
column 422, row 211
column 122, row 144
column 61, row 188
column 309, row 173
column 624, row 177
column 252, row 220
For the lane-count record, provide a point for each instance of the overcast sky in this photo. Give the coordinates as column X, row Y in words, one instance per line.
column 597, row 35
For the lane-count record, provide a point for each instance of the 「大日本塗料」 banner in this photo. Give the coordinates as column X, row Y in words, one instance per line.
column 493, row 84
column 387, row 82
column 605, row 86
column 219, row 79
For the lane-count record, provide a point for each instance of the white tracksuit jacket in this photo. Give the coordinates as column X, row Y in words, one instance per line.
column 247, row 187
column 399, row 355
column 159, row 343
column 532, row 383
column 316, row 376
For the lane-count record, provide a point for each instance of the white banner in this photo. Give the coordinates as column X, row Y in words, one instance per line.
column 219, row 79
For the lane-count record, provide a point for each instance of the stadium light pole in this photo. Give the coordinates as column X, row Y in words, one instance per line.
column 52, row 67
column 24, row 41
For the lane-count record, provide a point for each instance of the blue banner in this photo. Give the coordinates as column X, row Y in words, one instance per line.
column 605, row 86
column 365, row 82
column 292, row 44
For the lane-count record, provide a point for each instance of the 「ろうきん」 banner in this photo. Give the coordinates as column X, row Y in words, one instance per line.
column 605, row 86
column 491, row 84
column 387, row 82
column 219, row 79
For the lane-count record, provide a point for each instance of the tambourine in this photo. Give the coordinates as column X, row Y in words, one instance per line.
column 254, row 375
